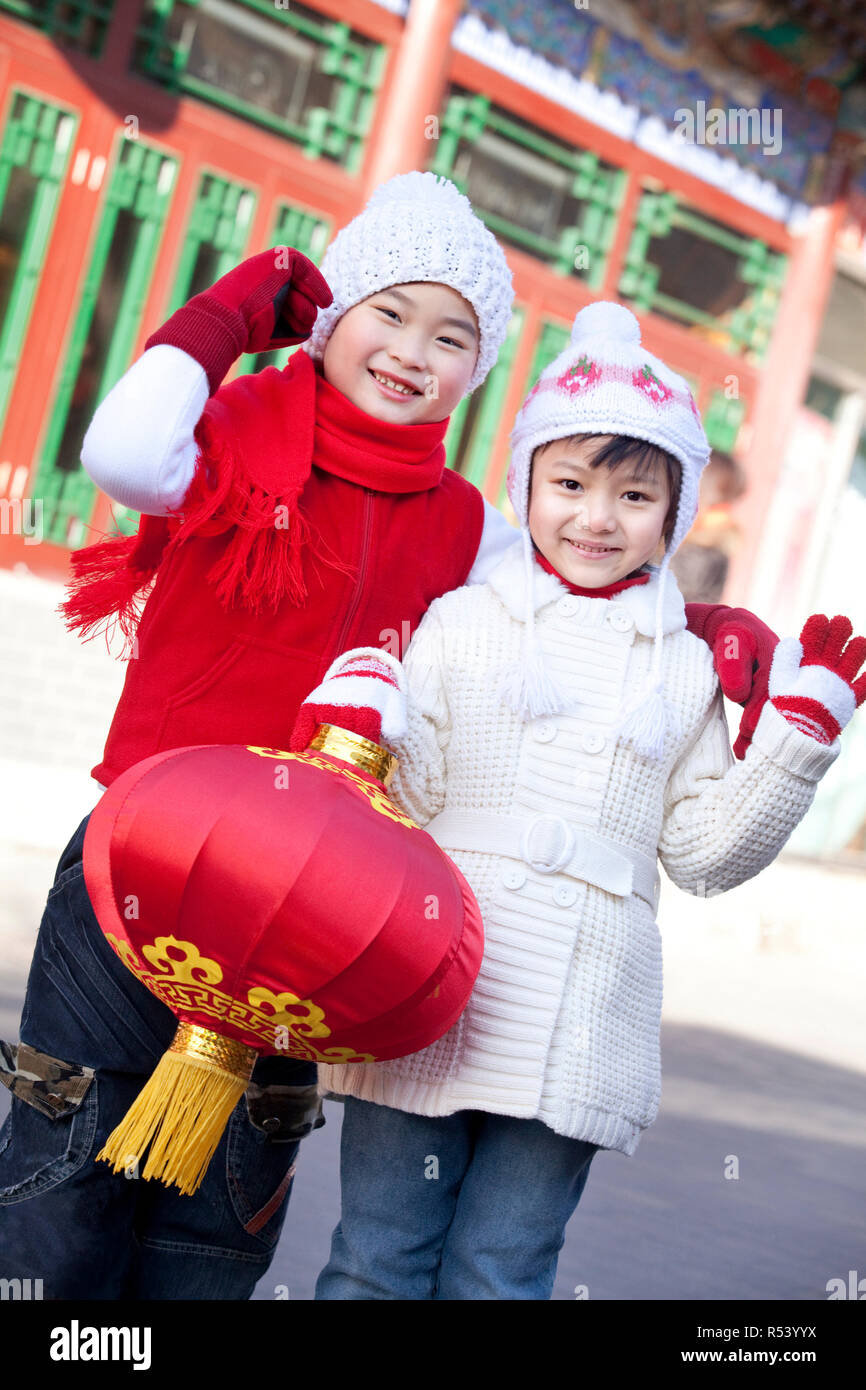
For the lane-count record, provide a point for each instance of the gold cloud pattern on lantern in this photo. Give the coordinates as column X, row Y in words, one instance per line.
column 378, row 799
column 186, row 982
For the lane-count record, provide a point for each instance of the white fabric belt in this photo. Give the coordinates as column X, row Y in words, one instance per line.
column 550, row 845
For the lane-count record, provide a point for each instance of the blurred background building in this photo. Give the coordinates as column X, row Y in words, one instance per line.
column 148, row 146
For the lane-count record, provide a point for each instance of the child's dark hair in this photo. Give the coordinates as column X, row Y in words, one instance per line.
column 646, row 458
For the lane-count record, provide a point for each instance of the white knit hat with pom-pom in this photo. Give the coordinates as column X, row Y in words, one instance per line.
column 419, row 226
column 605, row 383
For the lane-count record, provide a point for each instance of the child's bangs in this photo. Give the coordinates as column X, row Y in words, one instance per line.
column 646, row 460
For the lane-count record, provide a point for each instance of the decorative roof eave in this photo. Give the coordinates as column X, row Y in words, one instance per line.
column 495, row 49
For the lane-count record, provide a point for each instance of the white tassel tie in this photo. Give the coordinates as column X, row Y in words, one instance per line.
column 528, row 686
column 644, row 725
column 647, row 721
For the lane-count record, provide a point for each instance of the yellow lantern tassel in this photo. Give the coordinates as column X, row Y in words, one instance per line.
column 183, row 1109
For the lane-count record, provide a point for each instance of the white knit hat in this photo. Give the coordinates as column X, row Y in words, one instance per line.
column 605, row 383
column 419, row 226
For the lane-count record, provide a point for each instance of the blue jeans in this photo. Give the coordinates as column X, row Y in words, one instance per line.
column 464, row 1206
column 86, row 1231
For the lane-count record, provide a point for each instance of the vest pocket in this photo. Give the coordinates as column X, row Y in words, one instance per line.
column 250, row 694
column 177, row 713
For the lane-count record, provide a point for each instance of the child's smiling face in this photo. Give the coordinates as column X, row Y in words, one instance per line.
column 422, row 335
column 595, row 525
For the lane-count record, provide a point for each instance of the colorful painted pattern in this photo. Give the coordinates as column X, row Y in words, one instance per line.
column 555, row 29
column 568, row 37
column 643, row 81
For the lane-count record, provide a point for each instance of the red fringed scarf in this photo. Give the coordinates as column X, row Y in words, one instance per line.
column 258, row 438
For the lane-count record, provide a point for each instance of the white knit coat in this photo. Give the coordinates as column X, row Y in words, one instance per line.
column 563, row 1022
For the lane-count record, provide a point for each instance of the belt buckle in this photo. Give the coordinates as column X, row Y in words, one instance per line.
column 565, row 853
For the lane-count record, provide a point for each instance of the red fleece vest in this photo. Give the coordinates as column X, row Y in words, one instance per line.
column 207, row 674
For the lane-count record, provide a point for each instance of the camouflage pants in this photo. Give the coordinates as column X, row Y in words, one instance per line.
column 90, row 1037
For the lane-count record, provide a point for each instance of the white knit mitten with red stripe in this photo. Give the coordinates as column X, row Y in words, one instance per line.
column 812, row 681
column 364, row 690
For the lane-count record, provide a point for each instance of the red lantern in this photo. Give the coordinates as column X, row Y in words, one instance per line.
column 278, row 903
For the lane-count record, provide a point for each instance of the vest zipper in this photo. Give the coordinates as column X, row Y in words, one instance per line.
column 362, row 573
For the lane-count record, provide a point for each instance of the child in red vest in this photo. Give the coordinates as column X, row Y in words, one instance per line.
column 286, row 517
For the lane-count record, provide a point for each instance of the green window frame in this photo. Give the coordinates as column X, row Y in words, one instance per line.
column 747, row 328
column 470, row 122
column 475, row 420
column 551, row 341
column 722, row 420
column 105, row 327
column 216, row 236
column 80, row 24
column 335, row 71
column 38, row 138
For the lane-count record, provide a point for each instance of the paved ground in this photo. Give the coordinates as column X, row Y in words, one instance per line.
column 667, row 1223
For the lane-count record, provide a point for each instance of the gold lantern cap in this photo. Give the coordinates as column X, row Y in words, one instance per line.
column 352, row 748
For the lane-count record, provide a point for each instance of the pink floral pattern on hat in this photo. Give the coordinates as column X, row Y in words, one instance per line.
column 646, row 380
column 579, row 376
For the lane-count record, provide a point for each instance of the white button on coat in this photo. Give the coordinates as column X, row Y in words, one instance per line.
column 565, row 895
column 513, row 877
column 619, row 618
column 568, row 605
column 544, row 731
column 593, row 743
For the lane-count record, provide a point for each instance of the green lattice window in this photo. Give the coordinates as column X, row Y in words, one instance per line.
column 552, row 340
column 98, row 352
column 550, row 343
column 80, row 24
column 474, row 422
column 699, row 272
column 535, row 192
column 37, row 143
column 308, row 233
column 722, row 420
column 285, row 67
column 216, row 236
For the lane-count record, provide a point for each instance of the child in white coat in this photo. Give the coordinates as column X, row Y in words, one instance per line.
column 564, row 730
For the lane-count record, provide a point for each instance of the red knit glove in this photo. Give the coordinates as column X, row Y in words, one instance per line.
column 812, row 681
column 363, row 690
column 743, row 650
column 268, row 301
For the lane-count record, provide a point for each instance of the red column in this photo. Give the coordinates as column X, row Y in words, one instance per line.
column 783, row 384
column 416, row 81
